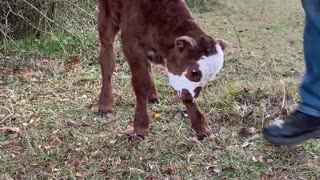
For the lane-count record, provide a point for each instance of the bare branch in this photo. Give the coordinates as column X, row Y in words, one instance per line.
column 11, row 40
column 234, row 27
column 46, row 17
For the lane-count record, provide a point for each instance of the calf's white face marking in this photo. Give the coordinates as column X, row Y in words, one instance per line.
column 209, row 66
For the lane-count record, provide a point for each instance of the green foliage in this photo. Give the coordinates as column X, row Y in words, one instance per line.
column 24, row 18
column 229, row 99
column 58, row 45
column 3, row 137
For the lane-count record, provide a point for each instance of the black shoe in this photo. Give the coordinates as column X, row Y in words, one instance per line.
column 296, row 128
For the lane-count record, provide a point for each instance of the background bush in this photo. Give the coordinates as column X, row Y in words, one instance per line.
column 34, row 25
column 22, row 18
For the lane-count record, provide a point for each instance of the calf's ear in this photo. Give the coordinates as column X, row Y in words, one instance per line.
column 225, row 45
column 183, row 42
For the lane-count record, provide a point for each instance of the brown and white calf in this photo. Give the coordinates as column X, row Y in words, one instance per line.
column 165, row 32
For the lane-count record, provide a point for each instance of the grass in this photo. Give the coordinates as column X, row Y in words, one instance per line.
column 60, row 137
column 202, row 5
column 57, row 45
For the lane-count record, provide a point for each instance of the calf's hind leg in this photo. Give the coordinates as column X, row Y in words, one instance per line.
column 107, row 33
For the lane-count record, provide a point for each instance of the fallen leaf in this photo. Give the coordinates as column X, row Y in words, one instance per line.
column 53, row 167
column 78, row 174
column 252, row 130
column 26, row 73
column 214, row 169
column 136, row 170
column 246, row 131
column 257, row 159
column 168, row 170
column 55, row 131
column 56, row 139
column 129, row 130
column 245, row 144
column 34, row 80
column 217, row 170
column 112, row 141
column 72, row 60
column 254, row 159
column 157, row 116
column 180, row 144
column 193, row 139
column 150, row 177
column 264, row 176
column 269, row 160
column 118, row 161
column 256, row 136
column 47, row 146
column 78, row 122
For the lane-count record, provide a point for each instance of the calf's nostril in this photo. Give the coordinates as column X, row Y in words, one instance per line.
column 197, row 92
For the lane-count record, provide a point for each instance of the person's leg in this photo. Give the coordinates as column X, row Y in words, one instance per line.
column 310, row 86
column 304, row 123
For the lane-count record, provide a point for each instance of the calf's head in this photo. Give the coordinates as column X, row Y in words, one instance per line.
column 196, row 62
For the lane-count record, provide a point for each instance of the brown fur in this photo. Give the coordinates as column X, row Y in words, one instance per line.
column 151, row 26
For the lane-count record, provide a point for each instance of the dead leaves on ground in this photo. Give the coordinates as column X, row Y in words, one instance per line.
column 168, row 169
column 32, row 75
column 248, row 132
column 264, row 176
column 26, row 73
column 72, row 61
column 42, row 68
column 54, row 141
column 11, row 143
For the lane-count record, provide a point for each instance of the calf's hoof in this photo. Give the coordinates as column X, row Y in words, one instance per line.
column 141, row 131
column 134, row 137
column 136, row 134
column 154, row 101
column 103, row 113
column 203, row 133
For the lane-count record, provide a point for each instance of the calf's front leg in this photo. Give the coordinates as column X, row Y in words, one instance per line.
column 142, row 86
column 198, row 121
